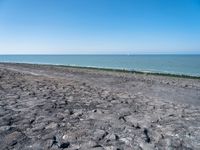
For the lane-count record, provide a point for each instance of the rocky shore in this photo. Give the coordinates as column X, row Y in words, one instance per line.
column 44, row 107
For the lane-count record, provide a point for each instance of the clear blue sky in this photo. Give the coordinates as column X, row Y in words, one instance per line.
column 99, row 26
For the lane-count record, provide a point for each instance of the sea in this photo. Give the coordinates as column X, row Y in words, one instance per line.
column 172, row 64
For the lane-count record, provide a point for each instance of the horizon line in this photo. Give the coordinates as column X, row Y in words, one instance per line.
column 103, row 54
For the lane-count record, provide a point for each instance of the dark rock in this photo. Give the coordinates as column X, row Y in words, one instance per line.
column 104, row 135
column 10, row 121
column 54, row 142
column 64, row 145
column 137, row 126
column 54, row 105
column 66, row 102
column 148, row 140
column 108, row 140
column 31, row 121
column 162, row 136
column 122, row 118
column 71, row 112
column 98, row 145
column 116, row 137
column 14, row 142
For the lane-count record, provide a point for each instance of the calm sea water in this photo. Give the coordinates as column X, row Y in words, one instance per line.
column 176, row 64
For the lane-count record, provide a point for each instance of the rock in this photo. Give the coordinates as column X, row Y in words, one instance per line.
column 35, row 146
column 137, row 126
column 31, row 121
column 65, row 137
column 112, row 137
column 52, row 125
column 116, row 137
column 146, row 146
column 38, row 126
column 12, row 138
column 126, row 140
column 148, row 140
column 61, row 116
column 100, row 134
column 54, row 141
column 122, row 118
column 64, row 145
column 71, row 112
column 4, row 128
column 78, row 113
column 13, row 97
column 110, row 148
column 98, row 145
column 89, row 144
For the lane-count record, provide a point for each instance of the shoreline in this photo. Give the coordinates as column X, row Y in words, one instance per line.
column 112, row 70
column 41, row 105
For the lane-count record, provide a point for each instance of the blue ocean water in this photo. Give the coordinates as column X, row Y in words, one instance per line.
column 176, row 64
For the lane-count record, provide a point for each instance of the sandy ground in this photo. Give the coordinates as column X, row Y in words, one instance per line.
column 48, row 107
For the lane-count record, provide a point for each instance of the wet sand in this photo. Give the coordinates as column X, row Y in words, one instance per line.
column 54, row 107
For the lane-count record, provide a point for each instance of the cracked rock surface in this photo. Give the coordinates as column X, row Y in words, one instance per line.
column 45, row 107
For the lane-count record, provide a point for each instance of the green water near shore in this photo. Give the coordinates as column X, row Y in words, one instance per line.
column 173, row 65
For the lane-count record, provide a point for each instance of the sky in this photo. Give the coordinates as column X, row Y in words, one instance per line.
column 99, row 26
